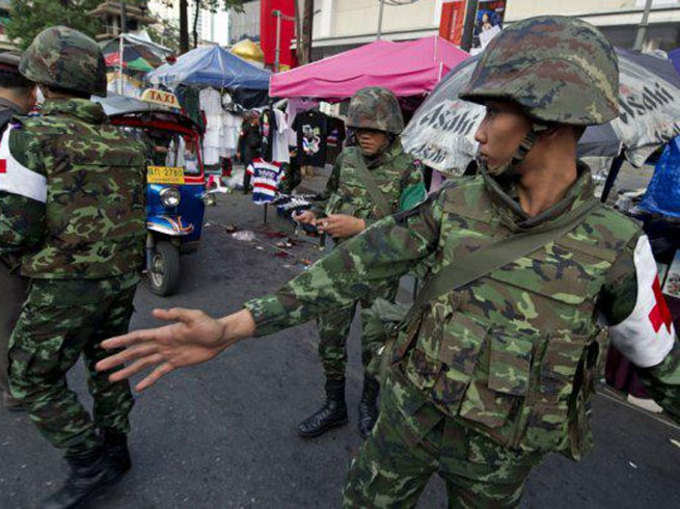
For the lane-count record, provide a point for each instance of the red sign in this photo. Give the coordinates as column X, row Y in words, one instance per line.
column 452, row 20
column 268, row 23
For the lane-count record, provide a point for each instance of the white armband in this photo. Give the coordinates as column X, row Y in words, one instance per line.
column 17, row 179
column 646, row 336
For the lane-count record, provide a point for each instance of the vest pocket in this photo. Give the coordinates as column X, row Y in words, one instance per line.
column 547, row 405
column 501, row 380
column 442, row 362
column 461, row 341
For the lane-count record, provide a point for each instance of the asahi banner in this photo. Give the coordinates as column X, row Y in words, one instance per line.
column 649, row 104
column 441, row 132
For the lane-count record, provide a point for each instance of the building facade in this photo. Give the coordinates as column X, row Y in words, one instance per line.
column 211, row 27
column 246, row 24
column 136, row 16
column 618, row 19
column 343, row 24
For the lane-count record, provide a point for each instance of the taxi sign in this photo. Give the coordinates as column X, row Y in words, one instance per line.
column 165, row 175
column 168, row 99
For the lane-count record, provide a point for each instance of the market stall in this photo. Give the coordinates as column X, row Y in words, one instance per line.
column 213, row 66
column 219, row 85
column 410, row 69
column 128, row 58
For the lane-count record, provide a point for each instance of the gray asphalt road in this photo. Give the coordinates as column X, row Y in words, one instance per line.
column 222, row 435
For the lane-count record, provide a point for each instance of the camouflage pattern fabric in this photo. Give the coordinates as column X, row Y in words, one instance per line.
column 334, row 329
column 558, row 69
column 375, row 108
column 402, row 185
column 62, row 57
column 394, row 172
column 93, row 224
column 60, row 320
column 21, row 225
column 13, row 295
column 501, row 353
column 412, row 440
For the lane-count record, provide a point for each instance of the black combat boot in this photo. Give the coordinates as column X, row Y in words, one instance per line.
column 115, row 445
column 368, row 406
column 332, row 414
column 91, row 473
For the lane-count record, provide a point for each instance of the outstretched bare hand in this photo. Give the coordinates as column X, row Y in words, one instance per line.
column 194, row 338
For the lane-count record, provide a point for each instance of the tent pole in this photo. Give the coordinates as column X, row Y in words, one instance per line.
column 120, row 64
column 642, row 28
column 380, row 16
column 277, row 56
column 611, row 176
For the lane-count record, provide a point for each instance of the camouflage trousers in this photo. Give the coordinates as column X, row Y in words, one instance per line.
column 60, row 320
column 334, row 330
column 13, row 288
column 413, row 440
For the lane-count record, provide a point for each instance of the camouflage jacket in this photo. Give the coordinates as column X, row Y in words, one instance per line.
column 394, row 172
column 72, row 194
column 512, row 354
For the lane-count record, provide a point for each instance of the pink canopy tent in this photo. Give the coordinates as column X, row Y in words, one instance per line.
column 406, row 68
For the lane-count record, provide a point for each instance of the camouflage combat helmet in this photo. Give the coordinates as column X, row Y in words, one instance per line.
column 375, row 108
column 559, row 69
column 62, row 57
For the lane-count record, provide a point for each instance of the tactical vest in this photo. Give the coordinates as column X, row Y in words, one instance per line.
column 514, row 354
column 95, row 210
column 353, row 199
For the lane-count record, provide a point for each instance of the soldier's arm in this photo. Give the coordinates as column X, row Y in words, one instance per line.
column 413, row 190
column 388, row 249
column 23, row 189
column 640, row 323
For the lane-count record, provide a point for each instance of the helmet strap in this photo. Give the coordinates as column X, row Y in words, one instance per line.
column 521, row 152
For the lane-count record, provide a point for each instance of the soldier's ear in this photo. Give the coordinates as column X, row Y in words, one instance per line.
column 33, row 96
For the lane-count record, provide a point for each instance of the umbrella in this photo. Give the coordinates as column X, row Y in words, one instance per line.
column 136, row 55
column 441, row 132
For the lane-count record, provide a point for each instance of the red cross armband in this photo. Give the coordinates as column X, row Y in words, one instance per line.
column 646, row 336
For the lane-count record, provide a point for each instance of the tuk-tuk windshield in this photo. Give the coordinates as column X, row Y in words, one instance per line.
column 170, row 148
column 183, row 151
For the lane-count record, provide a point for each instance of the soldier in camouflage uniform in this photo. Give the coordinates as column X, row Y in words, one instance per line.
column 350, row 206
column 73, row 211
column 17, row 97
column 493, row 375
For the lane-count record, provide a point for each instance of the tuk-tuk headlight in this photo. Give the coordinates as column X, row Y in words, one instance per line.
column 170, row 197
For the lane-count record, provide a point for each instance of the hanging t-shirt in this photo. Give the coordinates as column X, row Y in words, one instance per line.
column 231, row 127
column 266, row 178
column 211, row 104
column 280, row 152
column 335, row 139
column 267, row 128
column 312, row 129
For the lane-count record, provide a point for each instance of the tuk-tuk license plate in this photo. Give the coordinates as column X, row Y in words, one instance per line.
column 165, row 175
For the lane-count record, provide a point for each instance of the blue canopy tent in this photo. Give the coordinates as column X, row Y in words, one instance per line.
column 213, row 66
column 674, row 57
